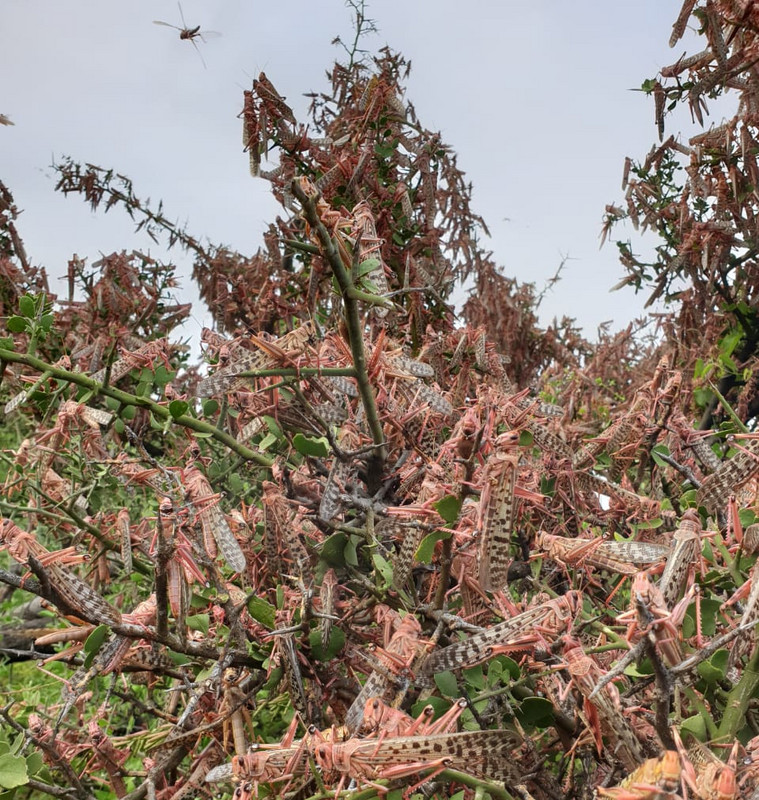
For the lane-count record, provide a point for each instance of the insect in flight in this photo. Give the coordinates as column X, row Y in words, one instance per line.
column 189, row 34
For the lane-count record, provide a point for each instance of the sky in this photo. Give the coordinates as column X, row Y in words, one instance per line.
column 535, row 96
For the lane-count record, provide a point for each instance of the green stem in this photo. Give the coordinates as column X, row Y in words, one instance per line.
column 159, row 411
column 734, row 716
column 698, row 703
column 353, row 322
column 729, row 410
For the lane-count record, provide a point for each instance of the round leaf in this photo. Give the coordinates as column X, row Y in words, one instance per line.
column 440, row 704
column 695, row 725
column 537, row 711
column 198, row 622
column 448, row 508
column 13, row 771
column 427, row 546
column 311, row 446
column 261, row 611
column 210, row 407
column 178, row 408
column 26, row 306
column 334, row 646
column 34, row 763
column 384, row 568
column 95, row 639
column 447, row 683
column 16, row 324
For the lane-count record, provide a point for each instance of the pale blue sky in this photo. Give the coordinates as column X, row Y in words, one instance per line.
column 534, row 96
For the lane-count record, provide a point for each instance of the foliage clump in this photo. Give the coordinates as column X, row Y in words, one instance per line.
column 371, row 507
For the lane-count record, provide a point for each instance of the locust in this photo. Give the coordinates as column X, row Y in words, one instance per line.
column 268, row 355
column 687, row 546
column 216, row 530
column 655, row 779
column 729, row 476
column 497, row 513
column 522, row 631
column 624, row 558
column 74, row 592
column 484, row 754
column 188, row 34
column 272, row 763
column 401, row 651
column 603, row 710
column 383, row 720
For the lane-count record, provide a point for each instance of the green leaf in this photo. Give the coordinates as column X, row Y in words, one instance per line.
column 18, row 743
column 646, row 525
column 547, row 485
column 474, row 677
column 16, row 324
column 688, row 499
column 210, row 407
column 27, row 307
column 715, row 669
column 162, row 376
column 448, row 507
column 440, row 704
column 267, row 442
column 350, row 552
column 34, row 763
column 658, row 451
column 311, row 446
column 526, row 439
column 94, row 643
column 426, row 548
column 129, row 412
column 367, row 266
column 447, row 683
column 180, row 659
column 95, row 640
column 13, row 771
column 178, row 408
column 709, row 611
column 47, row 322
column 510, row 666
column 333, row 550
column 644, row 670
column 695, row 725
column 384, row 568
column 335, row 645
column 273, row 426
column 262, row 611
column 198, row 622
column 537, row 711
column 747, row 517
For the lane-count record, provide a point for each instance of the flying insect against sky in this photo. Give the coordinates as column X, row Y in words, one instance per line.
column 187, row 33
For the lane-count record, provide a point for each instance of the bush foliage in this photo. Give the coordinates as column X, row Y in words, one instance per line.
column 368, row 503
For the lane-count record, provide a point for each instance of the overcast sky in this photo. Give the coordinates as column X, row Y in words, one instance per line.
column 534, row 95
